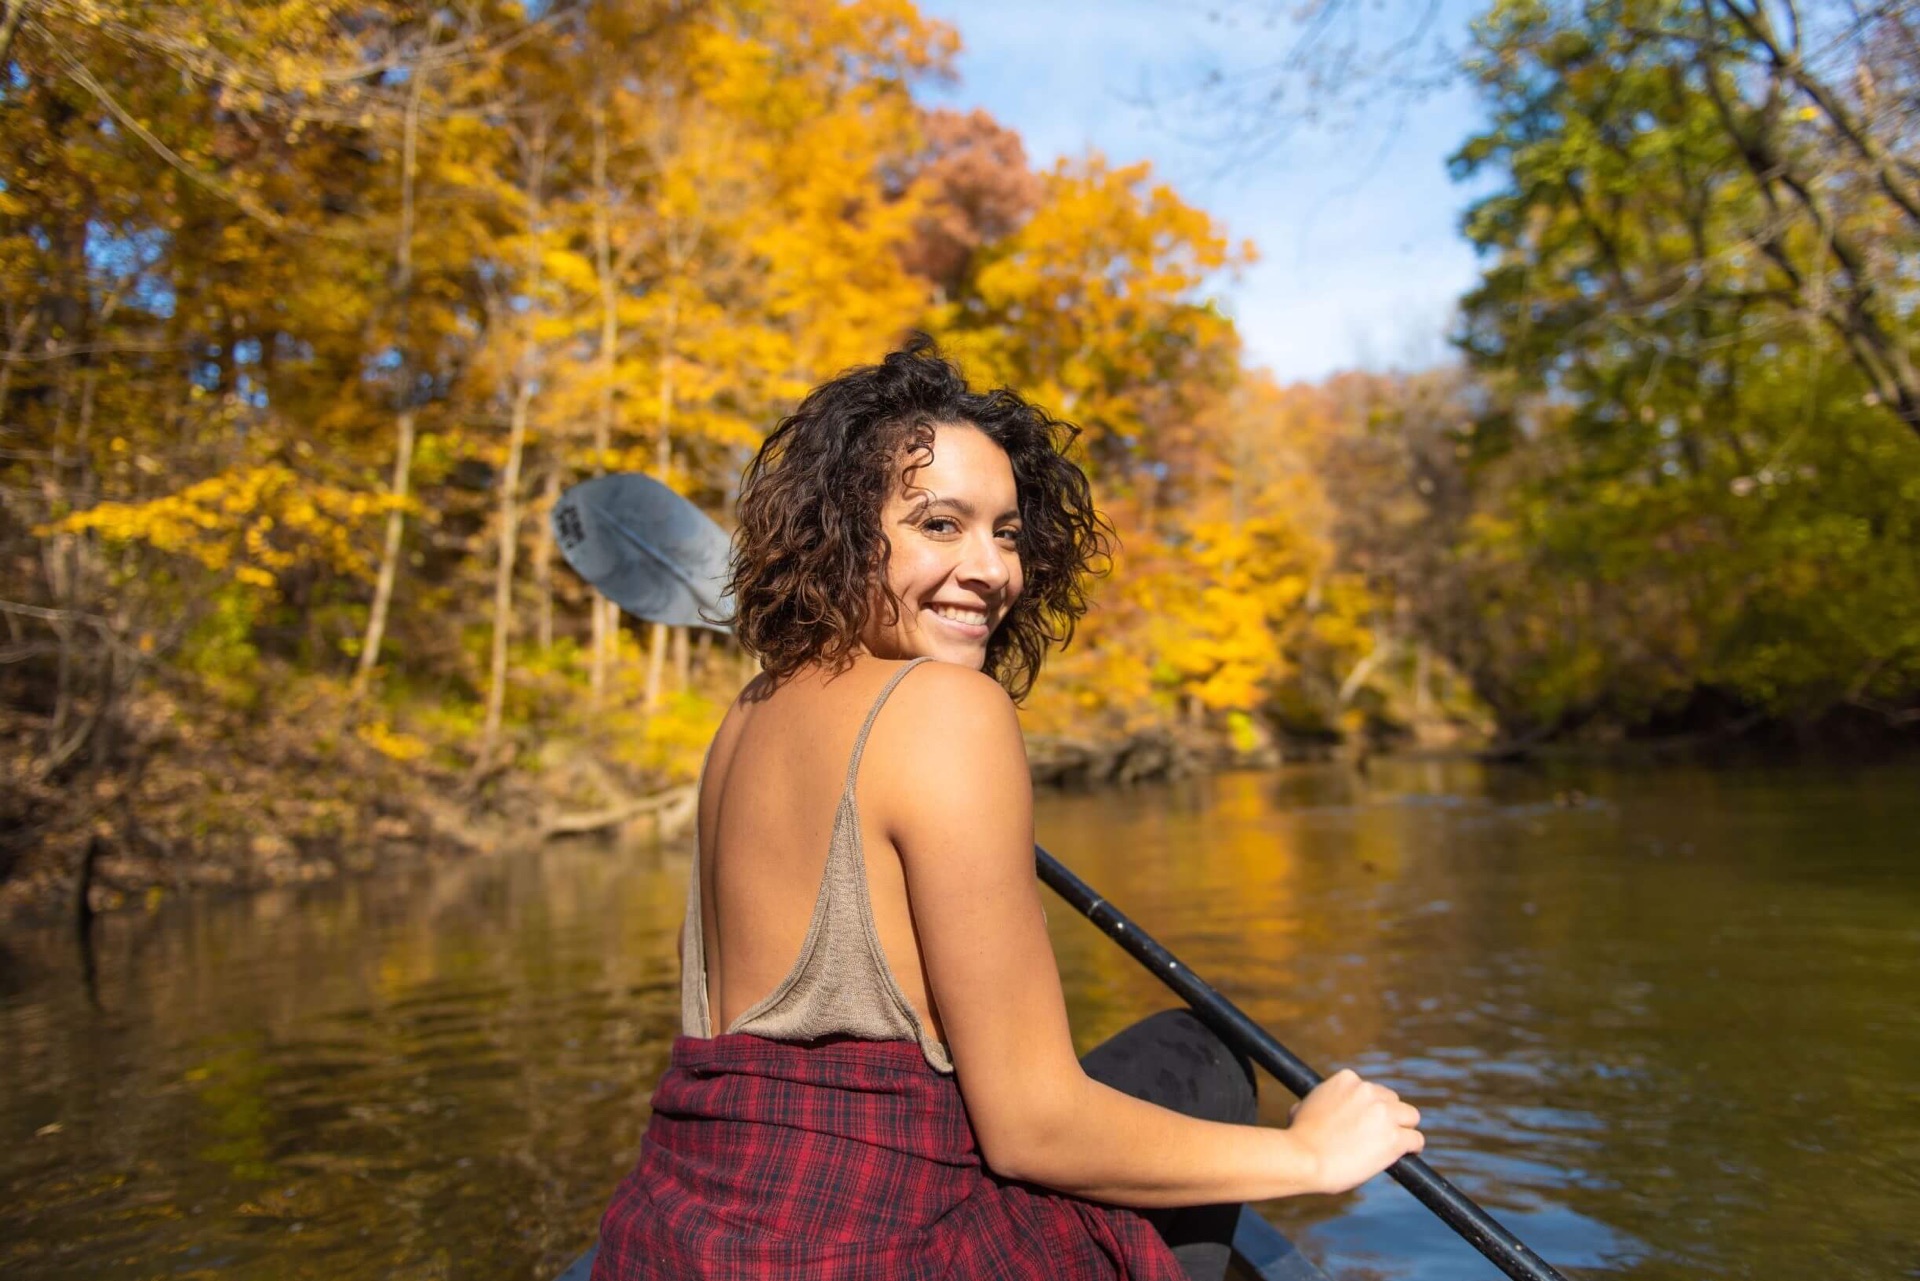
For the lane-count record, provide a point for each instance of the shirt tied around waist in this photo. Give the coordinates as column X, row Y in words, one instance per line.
column 843, row 1160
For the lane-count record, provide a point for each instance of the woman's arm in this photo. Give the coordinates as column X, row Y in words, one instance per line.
column 959, row 807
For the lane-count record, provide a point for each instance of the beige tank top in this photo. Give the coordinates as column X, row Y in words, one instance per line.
column 841, row 984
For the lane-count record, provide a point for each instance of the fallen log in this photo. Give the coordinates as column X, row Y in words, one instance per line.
column 672, row 807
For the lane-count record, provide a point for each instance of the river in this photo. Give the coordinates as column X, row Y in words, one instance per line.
column 1664, row 1022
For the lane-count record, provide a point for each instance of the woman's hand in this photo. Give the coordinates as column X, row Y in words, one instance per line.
column 1353, row 1129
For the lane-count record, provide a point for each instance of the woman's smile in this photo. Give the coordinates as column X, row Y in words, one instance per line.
column 971, row 623
column 961, row 614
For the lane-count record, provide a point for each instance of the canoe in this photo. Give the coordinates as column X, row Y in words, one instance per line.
column 1260, row 1253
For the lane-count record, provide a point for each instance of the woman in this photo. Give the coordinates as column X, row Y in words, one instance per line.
column 892, row 1091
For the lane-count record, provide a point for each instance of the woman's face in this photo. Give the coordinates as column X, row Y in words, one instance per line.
column 954, row 524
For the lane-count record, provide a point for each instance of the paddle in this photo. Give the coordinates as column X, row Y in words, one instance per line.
column 660, row 558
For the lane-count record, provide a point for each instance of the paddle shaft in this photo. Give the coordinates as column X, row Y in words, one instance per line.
column 1480, row 1229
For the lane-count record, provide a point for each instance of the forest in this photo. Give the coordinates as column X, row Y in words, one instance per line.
column 309, row 310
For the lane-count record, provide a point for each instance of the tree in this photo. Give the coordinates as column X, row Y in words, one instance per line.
column 1774, row 207
column 1097, row 307
column 977, row 190
column 1683, row 353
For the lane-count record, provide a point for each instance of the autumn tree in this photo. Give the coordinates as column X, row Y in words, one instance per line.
column 976, row 189
column 1098, row 306
column 152, row 292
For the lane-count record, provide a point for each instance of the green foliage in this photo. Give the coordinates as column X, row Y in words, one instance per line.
column 221, row 646
column 1689, row 481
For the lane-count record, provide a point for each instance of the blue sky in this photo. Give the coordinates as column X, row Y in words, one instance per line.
column 1360, row 256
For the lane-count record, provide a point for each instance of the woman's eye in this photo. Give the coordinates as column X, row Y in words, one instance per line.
column 943, row 525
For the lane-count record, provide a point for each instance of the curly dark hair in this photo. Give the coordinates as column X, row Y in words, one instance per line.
column 810, row 552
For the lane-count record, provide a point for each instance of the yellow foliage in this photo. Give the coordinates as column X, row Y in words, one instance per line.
column 253, row 523
column 1225, row 600
column 1094, row 307
column 391, row 743
column 671, row 743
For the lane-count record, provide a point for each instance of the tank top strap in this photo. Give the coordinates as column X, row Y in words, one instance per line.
column 873, row 713
column 695, row 1017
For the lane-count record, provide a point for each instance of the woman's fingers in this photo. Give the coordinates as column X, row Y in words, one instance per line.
column 1355, row 1128
column 1347, row 1083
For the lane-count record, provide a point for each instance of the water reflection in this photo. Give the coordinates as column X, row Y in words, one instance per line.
column 1644, row 1013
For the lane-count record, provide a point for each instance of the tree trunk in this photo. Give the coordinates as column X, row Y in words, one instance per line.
column 63, row 673
column 663, row 441
column 543, row 555
column 16, row 351
column 64, row 566
column 10, row 27
column 605, row 616
column 1383, row 647
column 389, row 556
column 503, row 569
column 404, row 422
column 526, row 378
column 656, row 666
column 605, row 620
column 663, row 465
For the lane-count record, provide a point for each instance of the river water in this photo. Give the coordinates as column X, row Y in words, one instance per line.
column 1665, row 1023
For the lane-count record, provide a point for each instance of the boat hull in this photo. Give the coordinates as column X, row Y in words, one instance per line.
column 1261, row 1252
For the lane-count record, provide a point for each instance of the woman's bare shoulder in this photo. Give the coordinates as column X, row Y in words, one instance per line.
column 946, row 698
column 951, row 746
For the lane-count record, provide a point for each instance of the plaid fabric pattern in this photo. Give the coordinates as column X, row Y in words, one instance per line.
column 842, row 1161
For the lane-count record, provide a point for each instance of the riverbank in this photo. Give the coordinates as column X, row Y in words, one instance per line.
column 234, row 805
column 307, row 785
column 225, row 799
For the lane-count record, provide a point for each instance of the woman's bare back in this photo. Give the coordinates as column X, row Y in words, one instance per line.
column 767, row 804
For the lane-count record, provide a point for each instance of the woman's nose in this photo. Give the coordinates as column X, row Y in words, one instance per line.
column 985, row 563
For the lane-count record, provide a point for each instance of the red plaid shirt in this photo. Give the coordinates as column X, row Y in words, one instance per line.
column 845, row 1161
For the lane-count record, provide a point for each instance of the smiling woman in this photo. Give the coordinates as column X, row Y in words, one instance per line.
column 875, row 1077
column 863, row 475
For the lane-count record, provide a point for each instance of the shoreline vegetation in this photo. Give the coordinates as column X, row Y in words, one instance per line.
column 306, row 324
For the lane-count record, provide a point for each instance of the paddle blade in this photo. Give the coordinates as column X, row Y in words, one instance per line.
column 647, row 549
